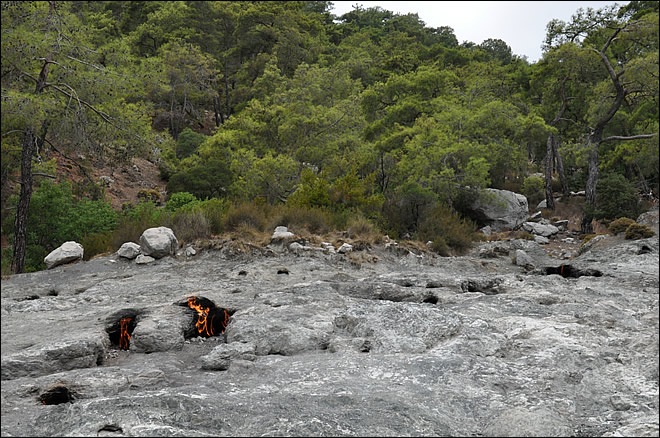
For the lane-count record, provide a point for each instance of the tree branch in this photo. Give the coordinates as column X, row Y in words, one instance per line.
column 632, row 137
column 43, row 174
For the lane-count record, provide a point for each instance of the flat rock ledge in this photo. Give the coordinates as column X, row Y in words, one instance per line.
column 505, row 341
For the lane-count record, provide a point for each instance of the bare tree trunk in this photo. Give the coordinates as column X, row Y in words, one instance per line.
column 560, row 168
column 20, row 222
column 590, row 201
column 549, row 150
column 28, row 149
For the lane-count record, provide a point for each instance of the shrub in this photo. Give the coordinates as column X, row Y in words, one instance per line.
column 55, row 217
column 404, row 211
column 534, row 189
column 363, row 231
column 245, row 214
column 616, row 197
column 313, row 219
column 149, row 195
column 443, row 226
column 96, row 243
column 189, row 225
column 179, row 199
column 214, row 210
column 208, row 180
column 188, row 142
column 638, row 231
column 524, row 235
column 312, row 191
column 620, row 225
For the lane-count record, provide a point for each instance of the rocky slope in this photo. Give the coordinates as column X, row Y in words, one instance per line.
column 376, row 343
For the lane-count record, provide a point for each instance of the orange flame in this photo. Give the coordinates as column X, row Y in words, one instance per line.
column 204, row 324
column 124, row 336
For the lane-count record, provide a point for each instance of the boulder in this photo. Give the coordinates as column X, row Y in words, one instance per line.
column 545, row 230
column 129, row 250
column 500, row 209
column 68, row 252
column 282, row 235
column 344, row 248
column 142, row 259
column 523, row 259
column 158, row 242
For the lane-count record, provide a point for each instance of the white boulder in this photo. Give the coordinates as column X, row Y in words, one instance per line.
column 158, row 242
column 282, row 235
column 129, row 250
column 66, row 253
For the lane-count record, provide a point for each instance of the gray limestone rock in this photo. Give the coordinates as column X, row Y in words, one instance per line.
column 142, row 259
column 129, row 250
column 500, row 209
column 545, row 230
column 158, row 242
column 66, row 253
column 521, row 422
column 445, row 346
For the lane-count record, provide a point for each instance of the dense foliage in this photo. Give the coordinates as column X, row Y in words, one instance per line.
column 371, row 117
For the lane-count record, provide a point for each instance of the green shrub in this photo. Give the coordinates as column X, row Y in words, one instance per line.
column 534, row 189
column 210, row 179
column 214, row 211
column 55, row 217
column 616, row 197
column 638, row 231
column 403, row 212
column 443, row 226
column 620, row 225
column 179, row 199
column 188, row 142
column 245, row 214
column 152, row 195
column 312, row 191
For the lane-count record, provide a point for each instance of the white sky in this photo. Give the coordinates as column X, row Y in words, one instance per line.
column 521, row 24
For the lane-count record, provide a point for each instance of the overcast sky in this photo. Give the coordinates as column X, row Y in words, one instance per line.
column 521, row 24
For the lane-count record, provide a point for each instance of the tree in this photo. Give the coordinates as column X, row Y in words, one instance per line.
column 56, row 89
column 623, row 46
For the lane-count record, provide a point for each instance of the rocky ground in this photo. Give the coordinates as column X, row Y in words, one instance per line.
column 381, row 342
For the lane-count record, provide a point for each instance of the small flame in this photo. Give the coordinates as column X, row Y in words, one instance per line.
column 124, row 336
column 204, row 323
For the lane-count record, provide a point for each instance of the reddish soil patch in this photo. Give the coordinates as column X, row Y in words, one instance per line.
column 122, row 183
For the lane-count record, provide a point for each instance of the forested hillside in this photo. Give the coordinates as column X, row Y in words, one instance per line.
column 280, row 113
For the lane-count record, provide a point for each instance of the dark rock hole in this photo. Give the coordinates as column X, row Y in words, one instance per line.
column 56, row 395
column 431, row 299
column 644, row 250
column 111, row 428
column 569, row 271
column 208, row 319
column 120, row 326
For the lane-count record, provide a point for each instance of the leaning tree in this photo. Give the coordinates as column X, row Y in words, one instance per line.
column 61, row 89
column 625, row 44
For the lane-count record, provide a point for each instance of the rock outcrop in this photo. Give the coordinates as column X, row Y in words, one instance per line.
column 504, row 341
